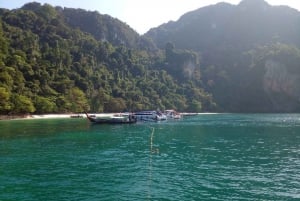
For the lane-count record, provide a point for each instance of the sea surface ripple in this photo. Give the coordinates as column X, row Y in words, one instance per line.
column 203, row 157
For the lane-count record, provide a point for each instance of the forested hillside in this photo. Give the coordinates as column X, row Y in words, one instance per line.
column 250, row 57
column 55, row 60
column 223, row 57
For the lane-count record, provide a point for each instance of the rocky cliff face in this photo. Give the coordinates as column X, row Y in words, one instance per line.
column 281, row 86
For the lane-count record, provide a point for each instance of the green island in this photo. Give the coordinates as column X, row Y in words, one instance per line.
column 65, row 60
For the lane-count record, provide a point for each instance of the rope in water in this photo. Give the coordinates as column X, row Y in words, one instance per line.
column 152, row 150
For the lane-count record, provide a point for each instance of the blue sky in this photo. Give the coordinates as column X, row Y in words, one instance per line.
column 141, row 15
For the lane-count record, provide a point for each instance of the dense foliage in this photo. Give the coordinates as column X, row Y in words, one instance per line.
column 70, row 60
column 243, row 58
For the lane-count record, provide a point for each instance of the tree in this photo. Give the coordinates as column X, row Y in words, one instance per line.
column 44, row 105
column 77, row 100
column 5, row 104
column 22, row 104
column 115, row 105
column 195, row 106
column 98, row 100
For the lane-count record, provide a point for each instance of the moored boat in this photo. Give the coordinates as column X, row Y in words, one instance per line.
column 172, row 114
column 150, row 116
column 76, row 116
column 125, row 118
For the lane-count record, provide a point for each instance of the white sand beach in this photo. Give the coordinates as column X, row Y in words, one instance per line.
column 78, row 115
column 53, row 116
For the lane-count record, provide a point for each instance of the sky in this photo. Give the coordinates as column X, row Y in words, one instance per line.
column 141, row 15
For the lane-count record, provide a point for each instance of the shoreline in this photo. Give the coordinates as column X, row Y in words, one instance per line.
column 72, row 115
column 50, row 116
column 29, row 116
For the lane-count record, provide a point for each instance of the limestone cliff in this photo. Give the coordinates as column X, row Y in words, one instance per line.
column 281, row 86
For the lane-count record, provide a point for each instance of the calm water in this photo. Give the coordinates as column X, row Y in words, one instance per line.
column 205, row 157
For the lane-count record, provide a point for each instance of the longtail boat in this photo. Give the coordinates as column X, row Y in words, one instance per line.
column 124, row 118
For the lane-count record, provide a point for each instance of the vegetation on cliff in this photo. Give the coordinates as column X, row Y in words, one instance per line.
column 250, row 59
column 50, row 62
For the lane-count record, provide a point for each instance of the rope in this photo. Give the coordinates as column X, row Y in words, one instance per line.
column 152, row 150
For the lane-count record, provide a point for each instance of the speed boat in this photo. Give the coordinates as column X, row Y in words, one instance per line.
column 150, row 116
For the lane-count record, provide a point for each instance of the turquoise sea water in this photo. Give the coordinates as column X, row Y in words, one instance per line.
column 204, row 157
